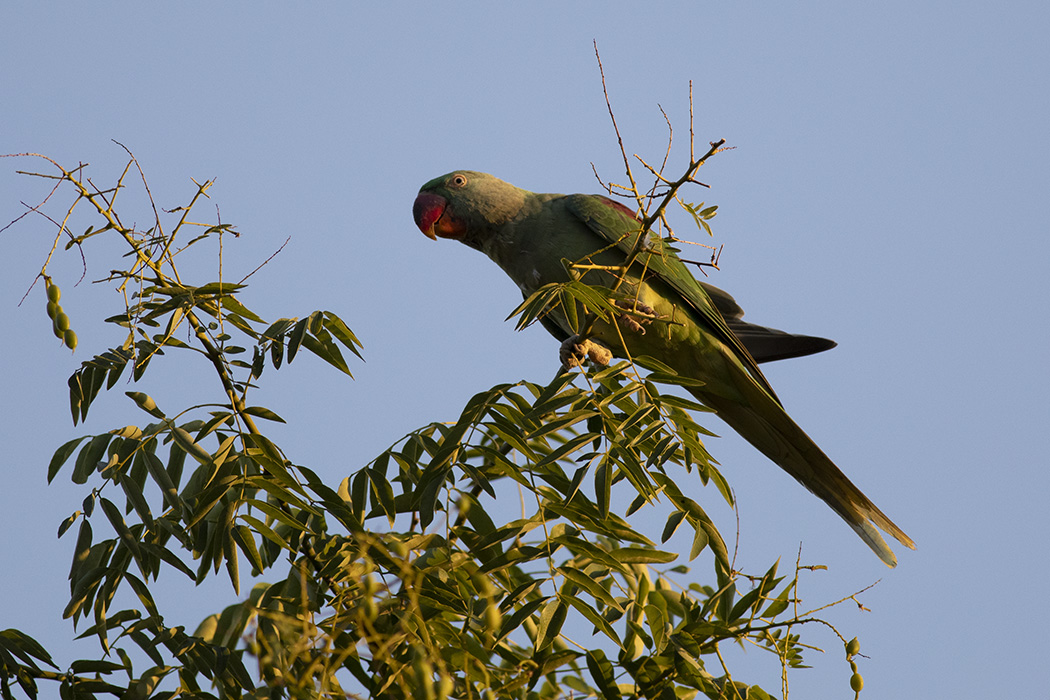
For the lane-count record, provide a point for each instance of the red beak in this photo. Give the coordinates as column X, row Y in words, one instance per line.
column 426, row 211
column 432, row 215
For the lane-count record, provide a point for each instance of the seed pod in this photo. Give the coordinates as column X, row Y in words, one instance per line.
column 53, row 293
column 856, row 681
column 70, row 339
column 62, row 322
column 53, row 309
column 853, row 647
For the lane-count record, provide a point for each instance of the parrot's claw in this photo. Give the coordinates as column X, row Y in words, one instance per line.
column 640, row 315
column 576, row 350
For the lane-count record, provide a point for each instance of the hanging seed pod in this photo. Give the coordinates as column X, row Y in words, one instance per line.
column 856, row 682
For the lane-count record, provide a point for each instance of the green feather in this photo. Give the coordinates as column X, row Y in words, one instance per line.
column 609, row 220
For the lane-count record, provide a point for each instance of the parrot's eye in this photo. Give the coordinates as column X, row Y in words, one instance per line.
column 458, row 180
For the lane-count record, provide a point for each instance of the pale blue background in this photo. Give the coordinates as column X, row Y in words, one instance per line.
column 888, row 189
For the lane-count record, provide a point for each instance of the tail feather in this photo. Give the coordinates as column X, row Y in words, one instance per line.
column 765, row 424
column 770, row 344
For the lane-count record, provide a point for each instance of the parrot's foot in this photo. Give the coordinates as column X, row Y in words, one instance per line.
column 640, row 315
column 576, row 350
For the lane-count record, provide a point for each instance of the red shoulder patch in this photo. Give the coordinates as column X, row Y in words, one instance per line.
column 613, row 204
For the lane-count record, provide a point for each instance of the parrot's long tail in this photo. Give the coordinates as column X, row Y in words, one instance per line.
column 765, row 424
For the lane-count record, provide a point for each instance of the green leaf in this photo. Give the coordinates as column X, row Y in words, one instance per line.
column 603, row 674
column 677, row 379
column 295, row 338
column 656, row 616
column 68, row 523
column 230, row 303
column 603, row 475
column 220, row 288
column 84, row 385
column 700, row 541
column 94, row 666
column 166, row 555
column 146, row 403
column 82, row 549
column 592, row 616
column 562, row 422
column 746, row 601
column 207, row 500
column 514, row 621
column 321, row 345
column 264, row 413
column 568, row 305
column 246, row 543
column 163, row 480
column 551, row 620
column 639, row 555
column 89, row 458
column 25, row 647
column 189, row 445
column 673, row 521
column 61, row 456
column 277, row 514
column 144, row 595
column 596, row 554
column 756, row 693
column 779, row 604
column 117, row 521
column 588, row 584
column 653, row 365
column 133, row 492
column 264, row 530
column 342, row 333
column 678, row 401
column 229, row 547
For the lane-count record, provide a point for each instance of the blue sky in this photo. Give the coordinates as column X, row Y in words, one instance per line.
column 887, row 189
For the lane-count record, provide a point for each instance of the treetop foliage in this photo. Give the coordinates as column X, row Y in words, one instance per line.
column 413, row 576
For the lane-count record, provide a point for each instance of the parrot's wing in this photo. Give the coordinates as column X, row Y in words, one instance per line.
column 616, row 224
column 765, row 344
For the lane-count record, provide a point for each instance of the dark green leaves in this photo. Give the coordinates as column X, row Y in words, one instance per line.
column 568, row 298
column 84, row 385
column 322, row 332
column 506, row 552
column 701, row 215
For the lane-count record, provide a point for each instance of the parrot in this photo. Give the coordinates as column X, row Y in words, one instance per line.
column 688, row 325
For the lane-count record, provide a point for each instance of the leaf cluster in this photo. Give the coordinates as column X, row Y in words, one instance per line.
column 413, row 577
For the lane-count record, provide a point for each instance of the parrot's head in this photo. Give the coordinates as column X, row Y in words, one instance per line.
column 466, row 206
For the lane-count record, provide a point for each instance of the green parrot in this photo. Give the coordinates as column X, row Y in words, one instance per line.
column 693, row 327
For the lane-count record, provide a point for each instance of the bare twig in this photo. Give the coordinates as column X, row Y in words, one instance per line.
column 670, row 137
column 267, row 260
column 619, row 139
column 692, row 154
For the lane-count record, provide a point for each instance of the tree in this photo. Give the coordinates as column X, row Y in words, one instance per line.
column 403, row 580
